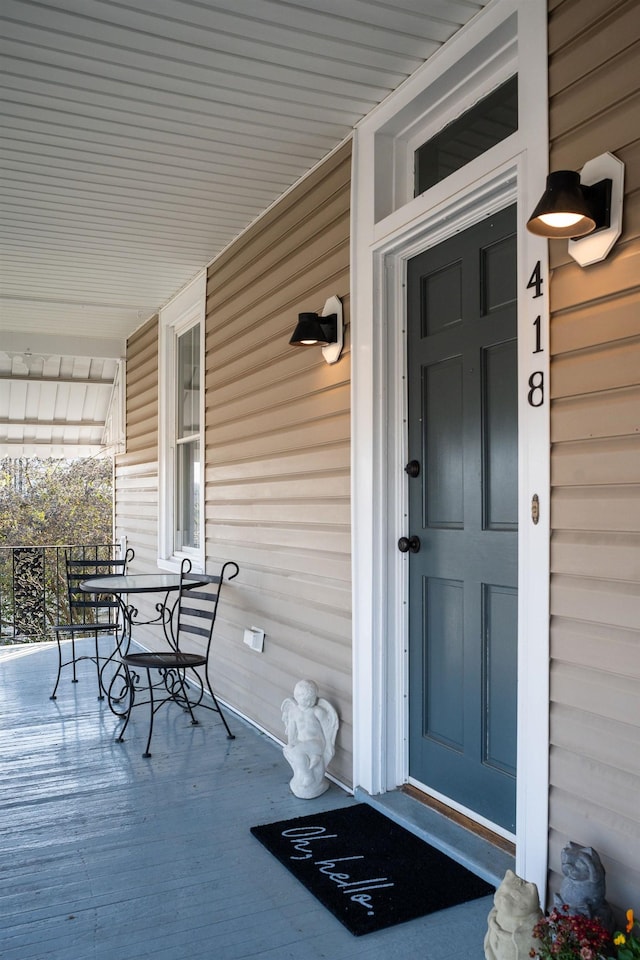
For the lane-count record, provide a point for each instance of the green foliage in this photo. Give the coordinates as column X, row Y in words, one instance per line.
column 43, row 503
column 55, row 501
column 627, row 943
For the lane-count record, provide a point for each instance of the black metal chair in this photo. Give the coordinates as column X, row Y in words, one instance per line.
column 183, row 677
column 89, row 614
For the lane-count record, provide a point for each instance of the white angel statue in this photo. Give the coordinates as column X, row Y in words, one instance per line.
column 311, row 725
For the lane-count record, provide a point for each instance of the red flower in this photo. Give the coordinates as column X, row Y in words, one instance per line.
column 565, row 936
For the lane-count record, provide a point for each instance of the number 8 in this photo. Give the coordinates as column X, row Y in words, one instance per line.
column 536, row 382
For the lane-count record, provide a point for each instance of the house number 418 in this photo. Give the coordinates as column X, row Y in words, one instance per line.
column 535, row 396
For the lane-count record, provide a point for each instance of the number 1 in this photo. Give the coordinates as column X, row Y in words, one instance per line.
column 536, row 324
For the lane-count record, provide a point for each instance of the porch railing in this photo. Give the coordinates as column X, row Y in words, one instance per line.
column 33, row 587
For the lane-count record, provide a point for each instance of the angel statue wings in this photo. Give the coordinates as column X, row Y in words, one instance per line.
column 311, row 725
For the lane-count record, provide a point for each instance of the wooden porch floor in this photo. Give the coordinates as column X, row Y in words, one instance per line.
column 107, row 856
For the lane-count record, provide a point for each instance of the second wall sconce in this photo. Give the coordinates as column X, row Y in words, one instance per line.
column 584, row 207
column 325, row 330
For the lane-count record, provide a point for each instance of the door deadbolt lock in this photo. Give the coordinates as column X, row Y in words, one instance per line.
column 412, row 468
column 406, row 544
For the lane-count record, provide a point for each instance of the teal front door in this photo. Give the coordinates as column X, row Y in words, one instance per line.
column 463, row 537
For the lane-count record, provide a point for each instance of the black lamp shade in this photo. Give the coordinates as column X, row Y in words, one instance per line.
column 565, row 209
column 312, row 329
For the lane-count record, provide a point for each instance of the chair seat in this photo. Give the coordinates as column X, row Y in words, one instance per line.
column 85, row 627
column 164, row 659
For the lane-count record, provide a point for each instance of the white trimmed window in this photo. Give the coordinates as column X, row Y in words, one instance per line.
column 181, row 427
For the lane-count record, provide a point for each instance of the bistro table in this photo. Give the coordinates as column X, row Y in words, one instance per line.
column 122, row 586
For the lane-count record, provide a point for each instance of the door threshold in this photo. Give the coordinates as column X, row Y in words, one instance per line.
column 476, row 851
column 478, row 828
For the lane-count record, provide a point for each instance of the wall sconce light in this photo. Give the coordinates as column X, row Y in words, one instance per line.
column 325, row 330
column 585, row 205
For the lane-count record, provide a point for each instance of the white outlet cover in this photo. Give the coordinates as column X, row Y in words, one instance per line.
column 254, row 638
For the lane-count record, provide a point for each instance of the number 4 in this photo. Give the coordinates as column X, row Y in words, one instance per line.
column 536, row 281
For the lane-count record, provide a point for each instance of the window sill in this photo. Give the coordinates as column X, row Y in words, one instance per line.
column 172, row 564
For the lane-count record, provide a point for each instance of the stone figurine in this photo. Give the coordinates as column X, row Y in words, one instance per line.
column 583, row 887
column 311, row 725
column 515, row 912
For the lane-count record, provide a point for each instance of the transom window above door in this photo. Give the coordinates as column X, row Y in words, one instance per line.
column 487, row 123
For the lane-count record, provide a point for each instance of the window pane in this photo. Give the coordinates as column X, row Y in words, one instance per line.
column 188, row 495
column 472, row 134
column 188, row 413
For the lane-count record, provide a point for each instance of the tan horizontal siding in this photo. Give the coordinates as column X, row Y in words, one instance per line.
column 598, row 601
column 142, row 394
column 612, row 508
column 137, row 470
column 601, row 461
column 588, row 554
column 141, row 417
column 277, row 429
column 327, row 432
column 273, row 386
column 295, row 216
column 306, row 410
column 612, row 790
column 618, row 274
column 584, row 35
column 606, row 367
column 581, row 644
column 140, row 346
column 597, row 748
column 137, row 514
column 610, row 131
column 594, row 86
column 262, row 325
column 290, row 540
column 612, row 413
column 146, row 392
column 330, row 458
column 584, row 325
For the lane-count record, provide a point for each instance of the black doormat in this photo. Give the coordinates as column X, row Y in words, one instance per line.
column 368, row 871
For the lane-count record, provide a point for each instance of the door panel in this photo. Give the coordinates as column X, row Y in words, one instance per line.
column 442, row 416
column 444, row 659
column 500, row 461
column 462, row 380
column 499, row 663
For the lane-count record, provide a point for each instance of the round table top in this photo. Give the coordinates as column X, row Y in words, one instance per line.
column 133, row 583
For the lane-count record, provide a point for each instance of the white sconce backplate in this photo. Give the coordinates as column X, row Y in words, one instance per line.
column 332, row 351
column 596, row 246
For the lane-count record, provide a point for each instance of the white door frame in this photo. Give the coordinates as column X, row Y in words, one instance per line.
column 386, row 231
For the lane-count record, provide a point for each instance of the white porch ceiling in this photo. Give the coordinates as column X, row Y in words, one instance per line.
column 52, row 405
column 140, row 138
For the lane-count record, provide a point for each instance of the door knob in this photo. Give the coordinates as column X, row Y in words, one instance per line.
column 406, row 544
column 413, row 468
